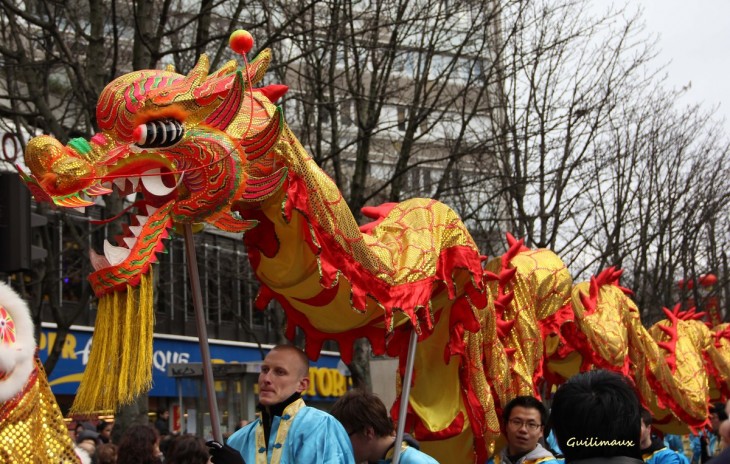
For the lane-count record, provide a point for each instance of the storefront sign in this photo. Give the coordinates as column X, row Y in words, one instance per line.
column 326, row 381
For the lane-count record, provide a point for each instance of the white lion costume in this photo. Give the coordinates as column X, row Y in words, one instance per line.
column 31, row 425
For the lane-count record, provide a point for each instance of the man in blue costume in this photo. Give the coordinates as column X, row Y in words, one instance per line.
column 523, row 422
column 286, row 431
column 653, row 450
column 371, row 430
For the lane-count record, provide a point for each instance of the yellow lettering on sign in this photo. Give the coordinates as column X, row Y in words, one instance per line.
column 69, row 347
column 339, row 387
column 324, row 382
column 312, row 380
column 68, row 351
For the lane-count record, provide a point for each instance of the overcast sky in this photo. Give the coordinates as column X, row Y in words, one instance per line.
column 695, row 36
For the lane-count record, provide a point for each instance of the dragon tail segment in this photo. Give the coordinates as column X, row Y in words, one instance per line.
column 599, row 307
column 675, row 370
column 718, row 362
column 531, row 286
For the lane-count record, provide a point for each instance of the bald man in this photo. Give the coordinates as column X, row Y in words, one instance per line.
column 286, row 431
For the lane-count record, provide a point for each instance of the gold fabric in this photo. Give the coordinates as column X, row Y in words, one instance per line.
column 119, row 367
column 284, row 426
column 604, row 326
column 32, row 430
column 540, row 286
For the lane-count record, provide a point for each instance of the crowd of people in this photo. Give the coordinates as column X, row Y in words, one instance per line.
column 139, row 444
column 595, row 418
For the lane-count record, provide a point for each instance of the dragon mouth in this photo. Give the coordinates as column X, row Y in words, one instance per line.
column 150, row 218
column 156, row 190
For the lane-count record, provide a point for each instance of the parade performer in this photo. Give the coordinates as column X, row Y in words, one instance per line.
column 524, row 420
column 653, row 449
column 371, row 431
column 286, row 431
column 31, row 425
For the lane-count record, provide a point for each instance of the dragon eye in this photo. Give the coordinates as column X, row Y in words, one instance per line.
column 162, row 133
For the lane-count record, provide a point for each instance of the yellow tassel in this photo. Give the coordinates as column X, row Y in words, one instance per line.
column 120, row 362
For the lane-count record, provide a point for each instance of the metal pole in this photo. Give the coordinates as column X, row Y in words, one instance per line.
column 202, row 332
column 404, row 394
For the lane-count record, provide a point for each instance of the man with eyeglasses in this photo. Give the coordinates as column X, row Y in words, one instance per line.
column 523, row 421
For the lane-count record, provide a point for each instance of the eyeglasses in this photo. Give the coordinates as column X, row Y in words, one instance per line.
column 517, row 424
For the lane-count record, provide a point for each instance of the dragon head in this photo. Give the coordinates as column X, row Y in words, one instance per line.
column 193, row 149
column 184, row 144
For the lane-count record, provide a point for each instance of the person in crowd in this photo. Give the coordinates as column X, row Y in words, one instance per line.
column 596, row 418
column 724, row 456
column 724, row 434
column 162, row 423
column 653, row 450
column 286, row 430
column 705, row 443
column 78, row 429
column 106, row 453
column 187, row 449
column 104, row 429
column 523, row 422
column 371, row 430
column 140, row 444
column 674, row 442
column 86, row 442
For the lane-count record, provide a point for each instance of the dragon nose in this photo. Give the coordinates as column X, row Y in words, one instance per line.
column 58, row 168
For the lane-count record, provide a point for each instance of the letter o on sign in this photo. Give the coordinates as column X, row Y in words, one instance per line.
column 324, row 382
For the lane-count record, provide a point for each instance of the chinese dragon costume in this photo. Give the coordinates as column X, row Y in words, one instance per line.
column 213, row 148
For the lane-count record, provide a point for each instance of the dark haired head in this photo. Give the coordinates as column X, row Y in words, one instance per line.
column 359, row 409
column 719, row 409
column 187, row 449
column 139, row 445
column 646, row 417
column 528, row 402
column 106, row 453
column 596, row 414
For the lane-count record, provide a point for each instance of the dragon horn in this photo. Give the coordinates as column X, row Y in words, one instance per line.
column 199, row 73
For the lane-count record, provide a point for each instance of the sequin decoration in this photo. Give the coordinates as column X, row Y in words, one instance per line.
column 32, row 429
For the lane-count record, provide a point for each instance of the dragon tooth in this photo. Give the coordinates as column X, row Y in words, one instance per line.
column 151, row 210
column 115, row 254
column 80, row 209
column 153, row 184
column 142, row 219
column 130, row 241
column 136, row 230
column 135, row 183
column 120, row 183
column 98, row 261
